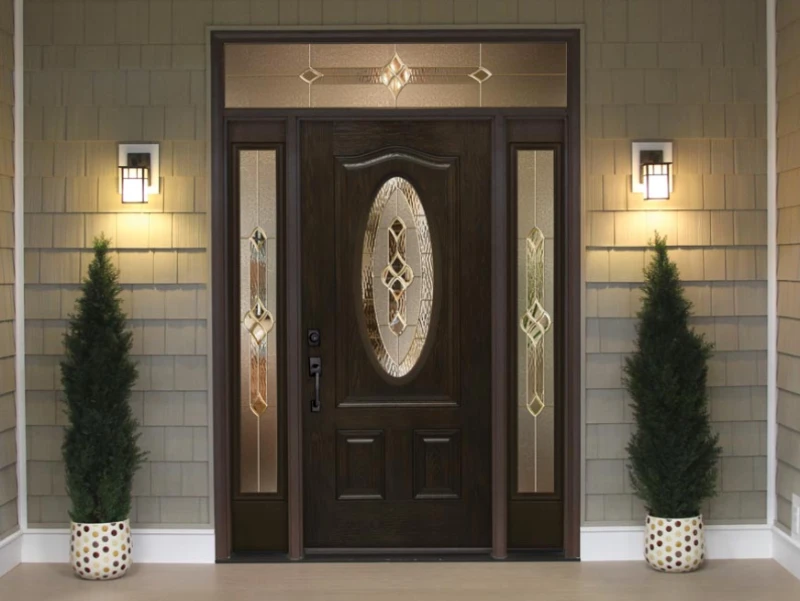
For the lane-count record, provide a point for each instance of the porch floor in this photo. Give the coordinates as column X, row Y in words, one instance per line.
column 743, row 580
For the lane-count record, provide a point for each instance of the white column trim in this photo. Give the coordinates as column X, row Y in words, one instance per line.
column 786, row 551
column 772, row 265
column 19, row 263
column 10, row 552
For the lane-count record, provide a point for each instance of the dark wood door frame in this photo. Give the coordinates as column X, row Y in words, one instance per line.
column 224, row 269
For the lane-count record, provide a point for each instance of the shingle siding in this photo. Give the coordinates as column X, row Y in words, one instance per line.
column 692, row 71
column 8, row 445
column 788, row 451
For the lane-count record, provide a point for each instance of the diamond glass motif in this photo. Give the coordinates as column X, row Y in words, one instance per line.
column 397, row 276
column 310, row 75
column 397, row 281
column 481, row 75
column 258, row 406
column 259, row 322
column 536, row 321
column 395, row 75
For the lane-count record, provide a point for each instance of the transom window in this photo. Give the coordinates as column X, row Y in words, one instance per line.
column 395, row 75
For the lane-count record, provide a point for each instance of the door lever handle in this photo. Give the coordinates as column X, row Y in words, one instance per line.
column 315, row 371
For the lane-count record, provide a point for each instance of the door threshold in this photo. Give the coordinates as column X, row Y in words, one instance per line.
column 382, row 555
column 403, row 554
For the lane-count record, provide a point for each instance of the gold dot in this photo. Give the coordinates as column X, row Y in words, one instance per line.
column 105, row 528
column 95, row 534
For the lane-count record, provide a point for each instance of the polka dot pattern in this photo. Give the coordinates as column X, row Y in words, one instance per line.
column 674, row 545
column 101, row 551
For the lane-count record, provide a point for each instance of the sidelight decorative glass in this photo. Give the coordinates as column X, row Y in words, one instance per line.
column 395, row 75
column 536, row 402
column 258, row 425
column 397, row 277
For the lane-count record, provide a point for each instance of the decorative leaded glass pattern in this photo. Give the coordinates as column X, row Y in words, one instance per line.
column 258, row 281
column 397, row 277
column 395, row 75
column 536, row 403
column 535, row 322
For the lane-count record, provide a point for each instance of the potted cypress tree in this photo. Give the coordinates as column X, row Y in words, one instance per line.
column 673, row 452
column 100, row 449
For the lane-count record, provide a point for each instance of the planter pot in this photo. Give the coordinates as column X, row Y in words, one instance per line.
column 101, row 551
column 674, row 545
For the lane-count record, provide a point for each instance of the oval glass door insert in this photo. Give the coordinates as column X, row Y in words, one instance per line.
column 397, row 277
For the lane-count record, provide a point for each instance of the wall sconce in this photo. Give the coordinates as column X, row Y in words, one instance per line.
column 138, row 172
column 651, row 166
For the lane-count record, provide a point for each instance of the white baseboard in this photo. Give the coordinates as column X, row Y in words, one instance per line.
column 601, row 543
column 786, row 551
column 10, row 552
column 149, row 546
column 626, row 543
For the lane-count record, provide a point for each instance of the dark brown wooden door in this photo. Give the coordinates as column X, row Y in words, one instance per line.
column 396, row 279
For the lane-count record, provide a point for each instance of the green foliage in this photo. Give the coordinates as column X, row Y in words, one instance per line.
column 100, row 449
column 673, row 453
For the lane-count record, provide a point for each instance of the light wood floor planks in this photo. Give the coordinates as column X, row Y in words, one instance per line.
column 743, row 580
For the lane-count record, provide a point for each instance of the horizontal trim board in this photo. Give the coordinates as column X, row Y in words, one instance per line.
column 626, row 543
column 150, row 545
column 531, row 113
column 10, row 552
column 786, row 551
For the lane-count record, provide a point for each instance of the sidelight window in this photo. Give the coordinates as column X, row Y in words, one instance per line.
column 258, row 415
column 535, row 312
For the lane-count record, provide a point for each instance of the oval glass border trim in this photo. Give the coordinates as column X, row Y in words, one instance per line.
column 423, row 278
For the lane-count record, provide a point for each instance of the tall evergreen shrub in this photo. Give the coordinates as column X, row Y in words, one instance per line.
column 673, row 452
column 100, row 449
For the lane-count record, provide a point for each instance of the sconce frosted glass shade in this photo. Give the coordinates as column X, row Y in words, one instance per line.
column 657, row 179
column 134, row 184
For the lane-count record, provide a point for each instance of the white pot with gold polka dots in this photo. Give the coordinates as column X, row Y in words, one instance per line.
column 675, row 544
column 101, row 551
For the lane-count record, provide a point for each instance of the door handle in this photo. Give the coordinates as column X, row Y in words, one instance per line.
column 315, row 371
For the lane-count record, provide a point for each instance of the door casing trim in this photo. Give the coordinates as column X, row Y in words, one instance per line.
column 220, row 273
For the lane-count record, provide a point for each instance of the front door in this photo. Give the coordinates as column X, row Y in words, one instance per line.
column 396, row 309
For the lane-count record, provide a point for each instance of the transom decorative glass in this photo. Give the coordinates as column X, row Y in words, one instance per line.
column 395, row 75
column 397, row 277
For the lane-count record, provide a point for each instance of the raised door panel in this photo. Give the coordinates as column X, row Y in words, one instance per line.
column 360, row 465
column 437, row 464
